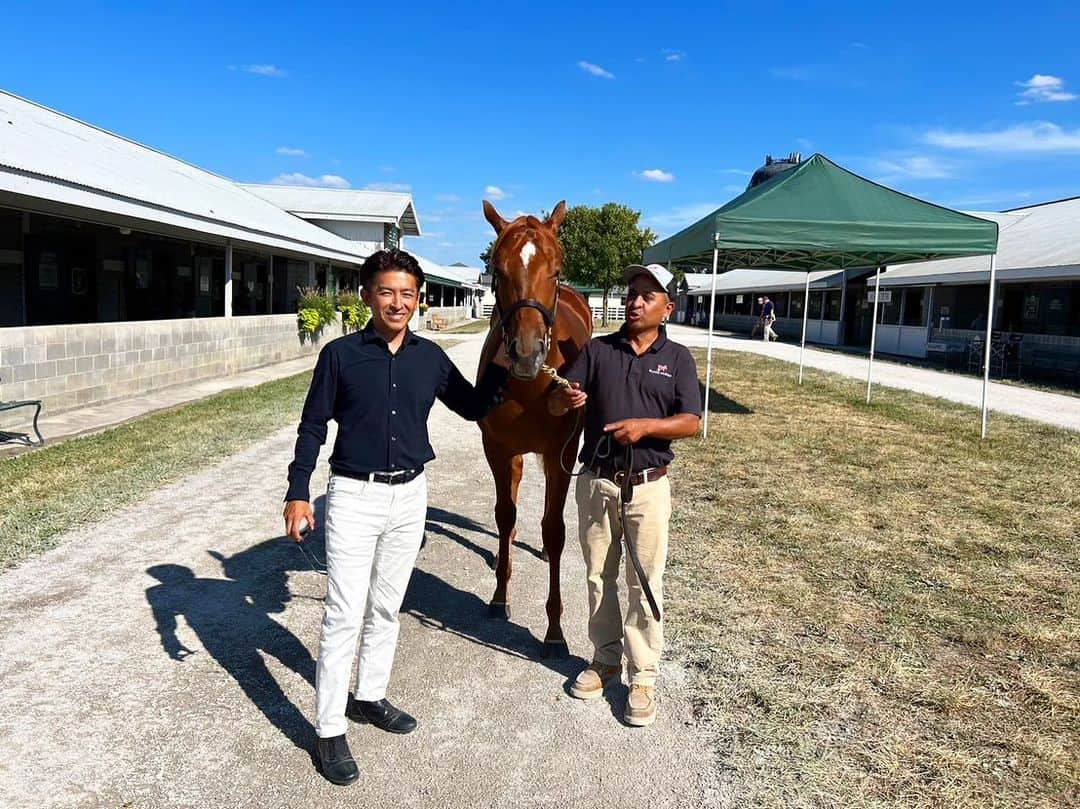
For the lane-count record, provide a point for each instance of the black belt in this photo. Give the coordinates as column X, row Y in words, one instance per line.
column 636, row 479
column 392, row 478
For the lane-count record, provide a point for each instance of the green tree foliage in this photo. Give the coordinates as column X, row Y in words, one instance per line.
column 486, row 256
column 599, row 243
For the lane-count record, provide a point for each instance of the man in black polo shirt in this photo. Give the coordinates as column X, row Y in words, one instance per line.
column 642, row 391
column 378, row 385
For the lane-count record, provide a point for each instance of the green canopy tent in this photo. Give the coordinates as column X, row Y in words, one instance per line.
column 820, row 216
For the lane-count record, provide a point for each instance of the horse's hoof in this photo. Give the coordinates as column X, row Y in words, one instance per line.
column 555, row 650
column 499, row 611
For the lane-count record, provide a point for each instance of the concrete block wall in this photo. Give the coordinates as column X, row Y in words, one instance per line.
column 72, row 366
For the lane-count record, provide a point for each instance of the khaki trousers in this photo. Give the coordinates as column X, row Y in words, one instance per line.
column 600, row 528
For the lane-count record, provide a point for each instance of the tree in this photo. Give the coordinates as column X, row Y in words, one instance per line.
column 599, row 243
column 485, row 257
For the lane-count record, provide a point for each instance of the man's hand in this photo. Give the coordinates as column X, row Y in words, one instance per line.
column 561, row 400
column 628, row 431
column 296, row 511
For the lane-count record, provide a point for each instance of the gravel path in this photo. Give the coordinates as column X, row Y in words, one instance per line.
column 95, row 712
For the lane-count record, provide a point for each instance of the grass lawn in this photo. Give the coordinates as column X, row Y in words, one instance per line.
column 49, row 491
column 470, row 327
column 883, row 609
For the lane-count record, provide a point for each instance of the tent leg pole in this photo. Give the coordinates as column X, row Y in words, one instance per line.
column 708, row 353
column 989, row 335
column 805, row 311
column 873, row 333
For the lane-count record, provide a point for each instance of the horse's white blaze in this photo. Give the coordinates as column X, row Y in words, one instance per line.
column 528, row 250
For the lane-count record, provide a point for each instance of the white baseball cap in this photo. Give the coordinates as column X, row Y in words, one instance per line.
column 658, row 273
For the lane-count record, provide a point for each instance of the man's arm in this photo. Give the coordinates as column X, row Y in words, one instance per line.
column 310, row 435
column 630, row 431
column 472, row 403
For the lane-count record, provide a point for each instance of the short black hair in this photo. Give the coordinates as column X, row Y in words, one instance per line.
column 390, row 260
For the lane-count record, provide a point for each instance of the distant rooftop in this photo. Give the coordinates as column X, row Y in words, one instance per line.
column 342, row 204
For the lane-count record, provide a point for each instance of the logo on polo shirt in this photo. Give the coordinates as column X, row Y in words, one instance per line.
column 662, row 370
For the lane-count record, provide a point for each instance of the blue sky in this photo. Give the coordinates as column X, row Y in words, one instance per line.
column 667, row 109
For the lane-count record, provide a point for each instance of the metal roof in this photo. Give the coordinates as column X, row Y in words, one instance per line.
column 343, row 204
column 1040, row 242
column 59, row 165
column 760, row 281
column 450, row 275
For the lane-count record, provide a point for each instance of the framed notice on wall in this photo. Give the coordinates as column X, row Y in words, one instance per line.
column 78, row 281
column 48, row 270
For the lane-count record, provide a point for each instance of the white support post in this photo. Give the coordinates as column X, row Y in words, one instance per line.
column 805, row 314
column 228, row 280
column 270, row 285
column 708, row 353
column 873, row 333
column 989, row 335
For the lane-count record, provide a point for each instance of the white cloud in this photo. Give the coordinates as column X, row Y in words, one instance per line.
column 387, row 169
column 448, row 198
column 495, row 193
column 1040, row 88
column 1037, row 138
column 398, row 187
column 271, row 71
column 288, row 151
column 734, row 189
column 656, row 175
column 677, row 218
column 672, row 55
column 860, row 45
column 595, row 70
column 917, row 167
column 323, row 181
column 740, row 172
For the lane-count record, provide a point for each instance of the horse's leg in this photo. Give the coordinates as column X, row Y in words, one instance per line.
column 506, row 470
column 554, row 533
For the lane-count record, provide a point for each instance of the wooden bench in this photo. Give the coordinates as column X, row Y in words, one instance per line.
column 24, row 437
column 438, row 323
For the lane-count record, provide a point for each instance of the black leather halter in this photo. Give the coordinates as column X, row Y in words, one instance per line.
column 528, row 303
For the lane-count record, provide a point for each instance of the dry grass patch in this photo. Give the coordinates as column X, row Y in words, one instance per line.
column 884, row 609
column 52, row 490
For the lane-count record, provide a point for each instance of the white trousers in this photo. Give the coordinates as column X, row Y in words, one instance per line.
column 373, row 533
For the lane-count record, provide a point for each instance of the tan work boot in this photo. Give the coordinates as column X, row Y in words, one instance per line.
column 640, row 705
column 591, row 683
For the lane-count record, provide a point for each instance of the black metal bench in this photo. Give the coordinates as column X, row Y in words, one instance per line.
column 24, row 437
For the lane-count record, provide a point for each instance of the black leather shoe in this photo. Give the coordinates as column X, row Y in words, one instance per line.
column 335, row 760
column 381, row 714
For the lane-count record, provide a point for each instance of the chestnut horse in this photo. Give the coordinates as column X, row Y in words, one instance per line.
column 542, row 323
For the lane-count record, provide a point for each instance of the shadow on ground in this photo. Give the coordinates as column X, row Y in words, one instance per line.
column 719, row 403
column 231, row 616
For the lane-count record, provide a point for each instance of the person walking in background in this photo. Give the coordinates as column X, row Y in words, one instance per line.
column 768, row 317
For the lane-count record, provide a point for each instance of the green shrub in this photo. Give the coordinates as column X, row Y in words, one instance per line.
column 318, row 300
column 354, row 312
column 308, row 321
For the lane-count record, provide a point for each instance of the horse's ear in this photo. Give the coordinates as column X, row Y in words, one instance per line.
column 492, row 216
column 557, row 216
